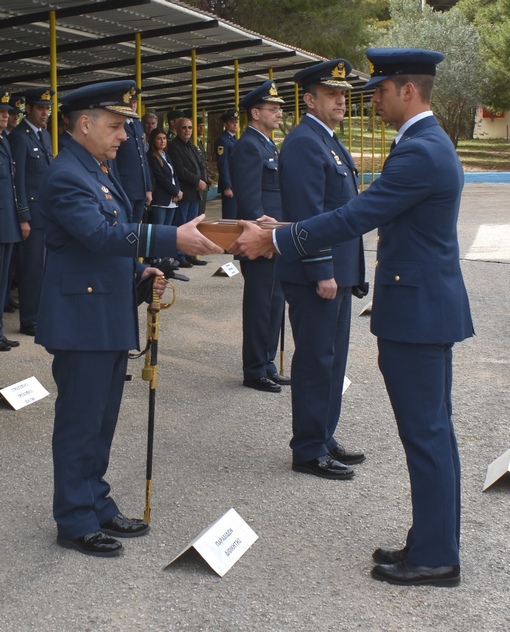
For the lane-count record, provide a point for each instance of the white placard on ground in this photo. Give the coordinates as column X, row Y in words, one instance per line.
column 24, row 393
column 347, row 383
column 223, row 542
column 496, row 469
column 227, row 269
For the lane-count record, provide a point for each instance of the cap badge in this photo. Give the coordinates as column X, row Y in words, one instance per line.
column 127, row 95
column 46, row 96
column 339, row 71
column 273, row 91
column 5, row 97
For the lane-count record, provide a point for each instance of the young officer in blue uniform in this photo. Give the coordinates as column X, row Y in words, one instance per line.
column 317, row 174
column 254, row 172
column 88, row 318
column 223, row 148
column 32, row 152
column 131, row 164
column 10, row 232
column 420, row 305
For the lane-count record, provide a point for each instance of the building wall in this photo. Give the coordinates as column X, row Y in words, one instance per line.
column 487, row 126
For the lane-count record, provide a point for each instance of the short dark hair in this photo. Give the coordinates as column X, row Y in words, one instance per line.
column 423, row 83
column 75, row 115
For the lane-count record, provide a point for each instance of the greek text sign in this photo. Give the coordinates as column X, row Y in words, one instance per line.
column 24, row 393
column 223, row 542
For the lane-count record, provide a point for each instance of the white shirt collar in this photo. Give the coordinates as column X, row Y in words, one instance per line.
column 328, row 129
column 410, row 122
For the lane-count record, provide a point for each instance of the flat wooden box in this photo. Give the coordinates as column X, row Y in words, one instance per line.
column 223, row 232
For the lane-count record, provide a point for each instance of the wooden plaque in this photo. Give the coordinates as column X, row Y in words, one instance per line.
column 223, row 232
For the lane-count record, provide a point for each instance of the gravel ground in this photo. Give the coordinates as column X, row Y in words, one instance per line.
column 219, row 445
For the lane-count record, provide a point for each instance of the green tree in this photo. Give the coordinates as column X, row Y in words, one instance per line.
column 325, row 27
column 460, row 76
column 492, row 20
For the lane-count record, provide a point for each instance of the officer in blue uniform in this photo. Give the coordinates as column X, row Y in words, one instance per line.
column 420, row 304
column 131, row 164
column 254, row 172
column 317, row 174
column 88, row 317
column 10, row 232
column 223, row 148
column 32, row 152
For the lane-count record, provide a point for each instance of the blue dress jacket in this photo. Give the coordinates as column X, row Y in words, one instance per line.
column 88, row 299
column 419, row 292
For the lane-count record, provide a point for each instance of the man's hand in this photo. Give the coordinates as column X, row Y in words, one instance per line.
column 192, row 242
column 202, row 186
column 253, row 242
column 25, row 229
column 327, row 288
column 148, row 197
column 228, row 193
column 159, row 284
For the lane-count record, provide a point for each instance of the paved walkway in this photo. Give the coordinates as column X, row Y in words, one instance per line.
column 219, row 445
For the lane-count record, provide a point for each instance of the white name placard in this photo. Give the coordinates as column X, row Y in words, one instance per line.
column 496, row 469
column 223, row 542
column 227, row 269
column 24, row 393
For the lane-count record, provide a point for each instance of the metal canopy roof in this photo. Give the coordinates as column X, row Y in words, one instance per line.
column 96, row 42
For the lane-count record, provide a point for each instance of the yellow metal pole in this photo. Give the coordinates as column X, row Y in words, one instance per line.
column 373, row 142
column 362, row 144
column 53, row 81
column 138, row 69
column 236, row 91
column 383, row 143
column 194, row 93
column 349, row 120
column 271, row 77
column 296, row 104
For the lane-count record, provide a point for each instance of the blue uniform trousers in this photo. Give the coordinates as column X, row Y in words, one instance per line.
column 418, row 379
column 90, row 386
column 5, row 277
column 321, row 336
column 263, row 305
column 228, row 207
column 30, row 269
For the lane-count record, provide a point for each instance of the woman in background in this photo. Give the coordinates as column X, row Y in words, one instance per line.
column 167, row 191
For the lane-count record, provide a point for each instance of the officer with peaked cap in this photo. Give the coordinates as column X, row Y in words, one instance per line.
column 317, row 174
column 254, row 172
column 32, row 152
column 16, row 104
column 172, row 117
column 223, row 148
column 131, row 163
column 420, row 305
column 10, row 232
column 88, row 315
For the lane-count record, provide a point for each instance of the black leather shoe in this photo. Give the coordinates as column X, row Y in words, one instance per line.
column 325, row 467
column 28, row 330
column 404, row 573
column 97, row 543
column 389, row 556
column 9, row 309
column 196, row 262
column 184, row 264
column 11, row 343
column 122, row 527
column 282, row 380
column 347, row 456
column 4, row 346
column 263, row 384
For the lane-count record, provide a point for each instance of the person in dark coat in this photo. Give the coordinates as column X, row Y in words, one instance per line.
column 131, row 165
column 32, row 152
column 223, row 149
column 420, row 304
column 166, row 189
column 192, row 177
column 88, row 316
column 10, row 231
column 254, row 172
column 317, row 174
